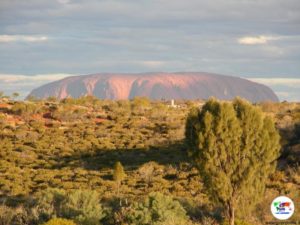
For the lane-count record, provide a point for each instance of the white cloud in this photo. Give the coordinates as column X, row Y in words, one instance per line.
column 11, row 78
column 290, row 82
column 63, row 1
column 255, row 40
column 283, row 94
column 153, row 64
column 22, row 38
column 285, row 88
column 23, row 84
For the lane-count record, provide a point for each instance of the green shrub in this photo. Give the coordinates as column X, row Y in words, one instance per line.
column 237, row 222
column 208, row 221
column 49, row 203
column 118, row 175
column 80, row 205
column 16, row 215
column 59, row 221
column 157, row 209
column 83, row 206
column 6, row 215
column 233, row 145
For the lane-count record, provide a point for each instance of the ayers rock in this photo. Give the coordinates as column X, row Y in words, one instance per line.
column 156, row 86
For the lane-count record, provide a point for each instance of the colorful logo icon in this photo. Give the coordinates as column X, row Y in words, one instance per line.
column 282, row 208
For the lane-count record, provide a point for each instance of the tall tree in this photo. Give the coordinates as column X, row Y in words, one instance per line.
column 235, row 148
column 118, row 175
column 15, row 95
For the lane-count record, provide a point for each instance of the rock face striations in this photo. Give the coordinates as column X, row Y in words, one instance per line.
column 156, row 86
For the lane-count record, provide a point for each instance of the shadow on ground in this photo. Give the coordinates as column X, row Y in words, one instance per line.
column 171, row 154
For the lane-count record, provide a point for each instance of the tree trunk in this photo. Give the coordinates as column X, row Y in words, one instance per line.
column 118, row 194
column 118, row 190
column 231, row 214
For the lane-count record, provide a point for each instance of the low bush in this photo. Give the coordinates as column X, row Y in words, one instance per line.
column 49, row 203
column 59, row 221
column 237, row 222
column 157, row 209
column 84, row 207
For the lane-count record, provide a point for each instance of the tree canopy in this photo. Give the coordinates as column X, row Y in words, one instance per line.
column 235, row 147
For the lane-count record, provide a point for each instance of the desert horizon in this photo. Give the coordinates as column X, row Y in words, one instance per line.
column 149, row 112
column 286, row 88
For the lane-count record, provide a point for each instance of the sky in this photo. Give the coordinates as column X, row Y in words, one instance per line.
column 45, row 40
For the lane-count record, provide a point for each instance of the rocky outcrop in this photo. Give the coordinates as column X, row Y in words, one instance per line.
column 156, row 86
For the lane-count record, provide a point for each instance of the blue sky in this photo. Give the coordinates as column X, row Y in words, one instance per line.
column 44, row 40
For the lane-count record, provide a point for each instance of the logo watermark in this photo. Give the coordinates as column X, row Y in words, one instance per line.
column 282, row 208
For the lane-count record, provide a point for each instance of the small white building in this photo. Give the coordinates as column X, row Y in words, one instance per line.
column 173, row 105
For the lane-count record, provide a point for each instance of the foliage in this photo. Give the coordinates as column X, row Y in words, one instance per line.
column 17, row 215
column 140, row 103
column 297, row 132
column 6, row 215
column 86, row 132
column 59, row 221
column 147, row 172
column 83, row 206
column 74, row 143
column 237, row 222
column 119, row 174
column 49, row 203
column 15, row 95
column 208, row 221
column 157, row 209
column 235, row 148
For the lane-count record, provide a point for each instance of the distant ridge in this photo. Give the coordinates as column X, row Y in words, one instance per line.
column 179, row 85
